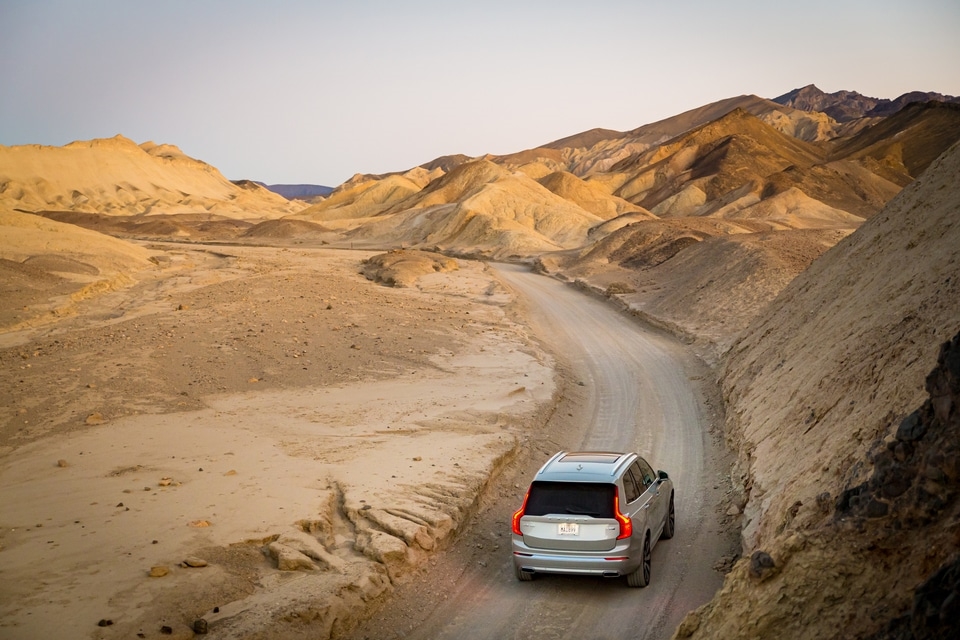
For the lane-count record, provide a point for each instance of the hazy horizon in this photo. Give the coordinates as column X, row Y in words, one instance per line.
column 299, row 92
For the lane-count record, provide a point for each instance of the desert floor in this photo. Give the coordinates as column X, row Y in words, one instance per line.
column 250, row 409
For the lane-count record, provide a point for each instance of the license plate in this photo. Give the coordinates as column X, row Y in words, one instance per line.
column 568, row 529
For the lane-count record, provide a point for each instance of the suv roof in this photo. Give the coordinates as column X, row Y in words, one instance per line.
column 585, row 466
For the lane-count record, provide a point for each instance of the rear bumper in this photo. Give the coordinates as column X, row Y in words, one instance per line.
column 616, row 562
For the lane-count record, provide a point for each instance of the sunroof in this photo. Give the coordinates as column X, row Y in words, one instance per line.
column 599, row 457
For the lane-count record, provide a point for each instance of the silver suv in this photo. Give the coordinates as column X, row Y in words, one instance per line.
column 593, row 513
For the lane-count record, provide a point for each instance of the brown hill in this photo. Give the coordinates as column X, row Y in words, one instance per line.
column 790, row 209
column 421, row 174
column 536, row 170
column 480, row 208
column 817, row 388
column 888, row 108
column 589, row 196
column 643, row 244
column 718, row 157
column 585, row 140
column 847, row 185
column 550, row 157
column 48, row 266
column 866, row 170
column 364, row 199
column 462, row 182
column 740, row 158
column 737, row 161
column 902, row 146
column 446, row 164
column 288, row 228
column 599, row 149
column 118, row 177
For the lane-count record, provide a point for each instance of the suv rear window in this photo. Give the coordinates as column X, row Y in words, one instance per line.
column 576, row 498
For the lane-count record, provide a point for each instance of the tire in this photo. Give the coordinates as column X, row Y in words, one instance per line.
column 523, row 576
column 670, row 526
column 641, row 577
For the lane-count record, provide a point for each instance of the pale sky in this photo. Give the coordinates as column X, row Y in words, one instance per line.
column 312, row 92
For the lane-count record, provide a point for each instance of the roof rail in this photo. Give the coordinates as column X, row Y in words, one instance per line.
column 555, row 457
column 625, row 461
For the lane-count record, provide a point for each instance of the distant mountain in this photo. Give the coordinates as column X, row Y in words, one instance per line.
column 740, row 165
column 844, row 106
column 298, row 191
column 886, row 108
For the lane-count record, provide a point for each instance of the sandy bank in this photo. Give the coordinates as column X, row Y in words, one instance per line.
column 304, row 495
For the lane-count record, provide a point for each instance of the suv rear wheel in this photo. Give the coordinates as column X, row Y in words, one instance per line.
column 641, row 577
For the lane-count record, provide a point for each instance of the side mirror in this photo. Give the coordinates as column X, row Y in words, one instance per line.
column 662, row 475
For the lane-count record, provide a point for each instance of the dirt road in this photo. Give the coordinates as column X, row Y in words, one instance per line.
column 627, row 388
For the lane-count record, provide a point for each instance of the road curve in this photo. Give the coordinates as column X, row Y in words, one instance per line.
column 640, row 390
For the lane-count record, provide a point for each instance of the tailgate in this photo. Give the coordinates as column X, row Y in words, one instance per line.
column 570, row 533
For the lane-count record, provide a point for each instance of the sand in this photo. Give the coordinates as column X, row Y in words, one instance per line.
column 206, row 413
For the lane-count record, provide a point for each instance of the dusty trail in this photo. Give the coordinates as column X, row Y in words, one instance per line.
column 629, row 388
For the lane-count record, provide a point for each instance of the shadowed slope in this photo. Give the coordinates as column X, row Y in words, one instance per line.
column 902, row 146
column 718, row 157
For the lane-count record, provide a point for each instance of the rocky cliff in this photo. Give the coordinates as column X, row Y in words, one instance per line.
column 849, row 491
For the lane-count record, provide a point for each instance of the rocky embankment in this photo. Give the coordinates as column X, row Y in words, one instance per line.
column 849, row 492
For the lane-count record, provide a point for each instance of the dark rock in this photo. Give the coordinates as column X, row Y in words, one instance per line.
column 824, row 502
column 876, row 509
column 936, row 608
column 918, row 478
column 951, row 359
column 849, row 499
column 896, row 486
column 200, row 626
column 761, row 565
column 935, row 474
column 915, row 477
column 911, row 429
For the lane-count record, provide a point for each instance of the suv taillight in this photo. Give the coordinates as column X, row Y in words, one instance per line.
column 519, row 514
column 626, row 524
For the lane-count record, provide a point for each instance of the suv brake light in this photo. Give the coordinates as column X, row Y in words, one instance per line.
column 626, row 524
column 519, row 514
